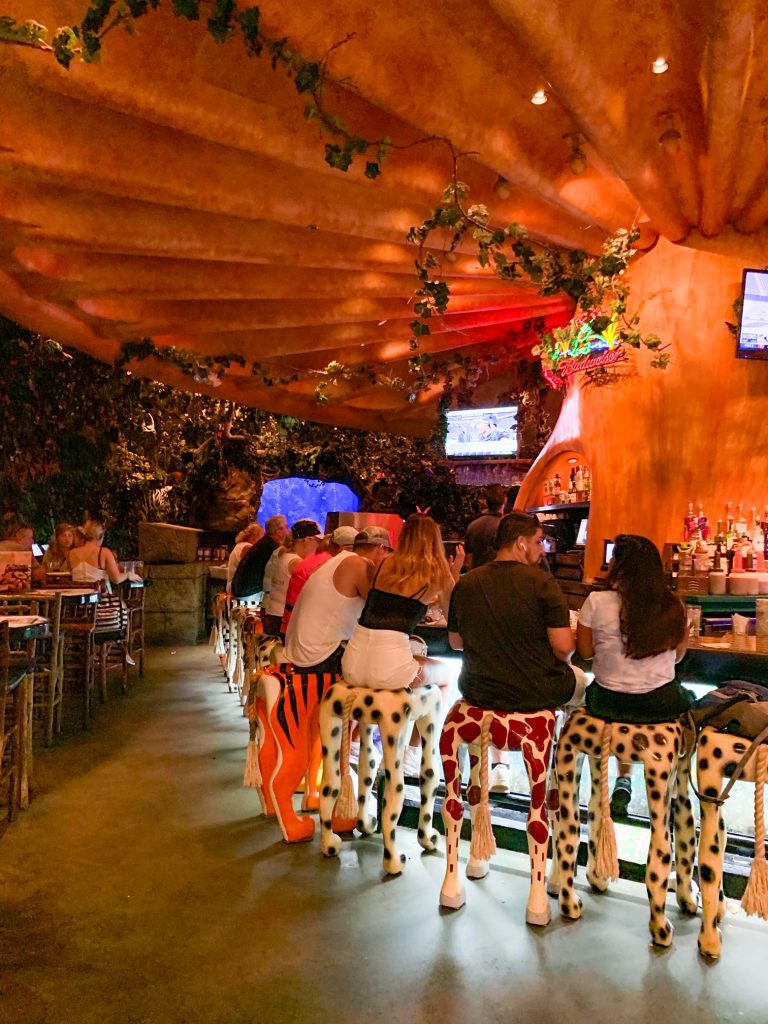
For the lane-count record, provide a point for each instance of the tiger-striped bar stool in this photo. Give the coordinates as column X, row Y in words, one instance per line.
column 718, row 757
column 529, row 732
column 394, row 713
column 293, row 723
column 664, row 750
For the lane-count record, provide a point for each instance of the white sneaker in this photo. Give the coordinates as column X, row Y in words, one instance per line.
column 499, row 781
column 412, row 762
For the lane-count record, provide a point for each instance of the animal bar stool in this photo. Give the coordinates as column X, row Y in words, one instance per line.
column 293, row 723
column 720, row 755
column 394, row 712
column 529, row 732
column 664, row 750
column 260, row 652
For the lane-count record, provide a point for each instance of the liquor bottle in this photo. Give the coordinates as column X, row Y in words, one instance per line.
column 719, row 536
column 675, row 570
column 703, row 525
column 587, row 483
column 740, row 526
column 729, row 533
column 579, row 479
column 547, row 488
column 690, row 524
column 756, row 532
column 572, row 484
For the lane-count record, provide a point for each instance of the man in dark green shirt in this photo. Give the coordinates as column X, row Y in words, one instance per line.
column 512, row 623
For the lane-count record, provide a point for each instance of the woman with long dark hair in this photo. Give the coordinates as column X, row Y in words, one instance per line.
column 635, row 632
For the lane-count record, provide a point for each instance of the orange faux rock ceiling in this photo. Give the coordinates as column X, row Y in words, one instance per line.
column 175, row 190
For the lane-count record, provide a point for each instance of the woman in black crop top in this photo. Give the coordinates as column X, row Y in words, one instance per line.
column 415, row 576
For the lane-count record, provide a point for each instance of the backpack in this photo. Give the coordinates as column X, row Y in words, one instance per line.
column 737, row 707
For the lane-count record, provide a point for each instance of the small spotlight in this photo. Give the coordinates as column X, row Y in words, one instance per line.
column 660, row 65
column 577, row 160
column 539, row 98
column 670, row 138
column 451, row 257
column 501, row 188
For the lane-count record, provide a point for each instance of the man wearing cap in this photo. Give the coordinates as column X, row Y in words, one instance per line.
column 284, row 561
column 331, row 601
column 342, row 539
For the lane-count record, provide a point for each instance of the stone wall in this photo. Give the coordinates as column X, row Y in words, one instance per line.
column 174, row 607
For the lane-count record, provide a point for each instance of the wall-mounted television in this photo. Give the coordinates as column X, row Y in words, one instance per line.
column 753, row 323
column 482, row 433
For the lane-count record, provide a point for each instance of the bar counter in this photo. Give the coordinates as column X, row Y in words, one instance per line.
column 715, row 659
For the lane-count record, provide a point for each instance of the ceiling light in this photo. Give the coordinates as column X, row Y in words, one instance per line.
column 660, row 65
column 501, row 188
column 539, row 98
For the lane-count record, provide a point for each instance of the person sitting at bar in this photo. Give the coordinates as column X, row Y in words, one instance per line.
column 62, row 542
column 21, row 538
column 248, row 581
column 304, row 539
column 245, row 540
column 94, row 563
column 406, row 583
column 328, row 607
column 511, row 621
column 635, row 632
column 342, row 539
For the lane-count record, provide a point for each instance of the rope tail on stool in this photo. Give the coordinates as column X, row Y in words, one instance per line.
column 483, row 844
column 606, row 855
column 755, row 898
column 252, row 774
column 346, row 805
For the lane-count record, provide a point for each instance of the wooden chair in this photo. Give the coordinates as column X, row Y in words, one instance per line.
column 78, row 626
column 134, row 598
column 15, row 721
column 112, row 638
column 48, row 658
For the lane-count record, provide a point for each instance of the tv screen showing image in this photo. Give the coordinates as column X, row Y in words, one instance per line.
column 753, row 326
column 482, row 433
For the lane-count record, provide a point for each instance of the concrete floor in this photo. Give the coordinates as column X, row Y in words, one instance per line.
column 143, row 887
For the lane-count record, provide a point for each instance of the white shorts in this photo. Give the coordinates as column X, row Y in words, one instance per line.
column 380, row 659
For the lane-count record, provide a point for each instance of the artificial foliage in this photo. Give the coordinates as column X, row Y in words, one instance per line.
column 80, row 436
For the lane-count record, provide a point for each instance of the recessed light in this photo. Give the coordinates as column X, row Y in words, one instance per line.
column 539, row 98
column 660, row 65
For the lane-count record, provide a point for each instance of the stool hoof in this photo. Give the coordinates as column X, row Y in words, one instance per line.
column 538, row 918
column 455, row 902
column 477, row 869
column 663, row 936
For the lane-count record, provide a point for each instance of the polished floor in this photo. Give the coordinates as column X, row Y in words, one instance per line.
column 143, row 887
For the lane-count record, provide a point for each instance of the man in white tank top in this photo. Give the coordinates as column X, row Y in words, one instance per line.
column 331, row 601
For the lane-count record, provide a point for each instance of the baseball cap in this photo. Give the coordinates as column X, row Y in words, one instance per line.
column 344, row 536
column 374, row 535
column 305, row 528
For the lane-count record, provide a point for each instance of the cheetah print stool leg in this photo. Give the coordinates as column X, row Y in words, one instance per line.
column 684, row 830
column 660, row 748
column 568, row 763
column 393, row 711
column 532, row 734
column 293, row 722
column 717, row 757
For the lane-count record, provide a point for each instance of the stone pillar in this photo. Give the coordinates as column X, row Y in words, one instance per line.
column 174, row 604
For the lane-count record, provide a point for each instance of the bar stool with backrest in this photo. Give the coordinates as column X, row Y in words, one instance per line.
column 78, row 626
column 47, row 696
column 111, row 637
column 134, row 599
column 11, row 674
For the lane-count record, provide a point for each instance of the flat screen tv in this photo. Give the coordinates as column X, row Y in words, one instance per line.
column 753, row 324
column 482, row 433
